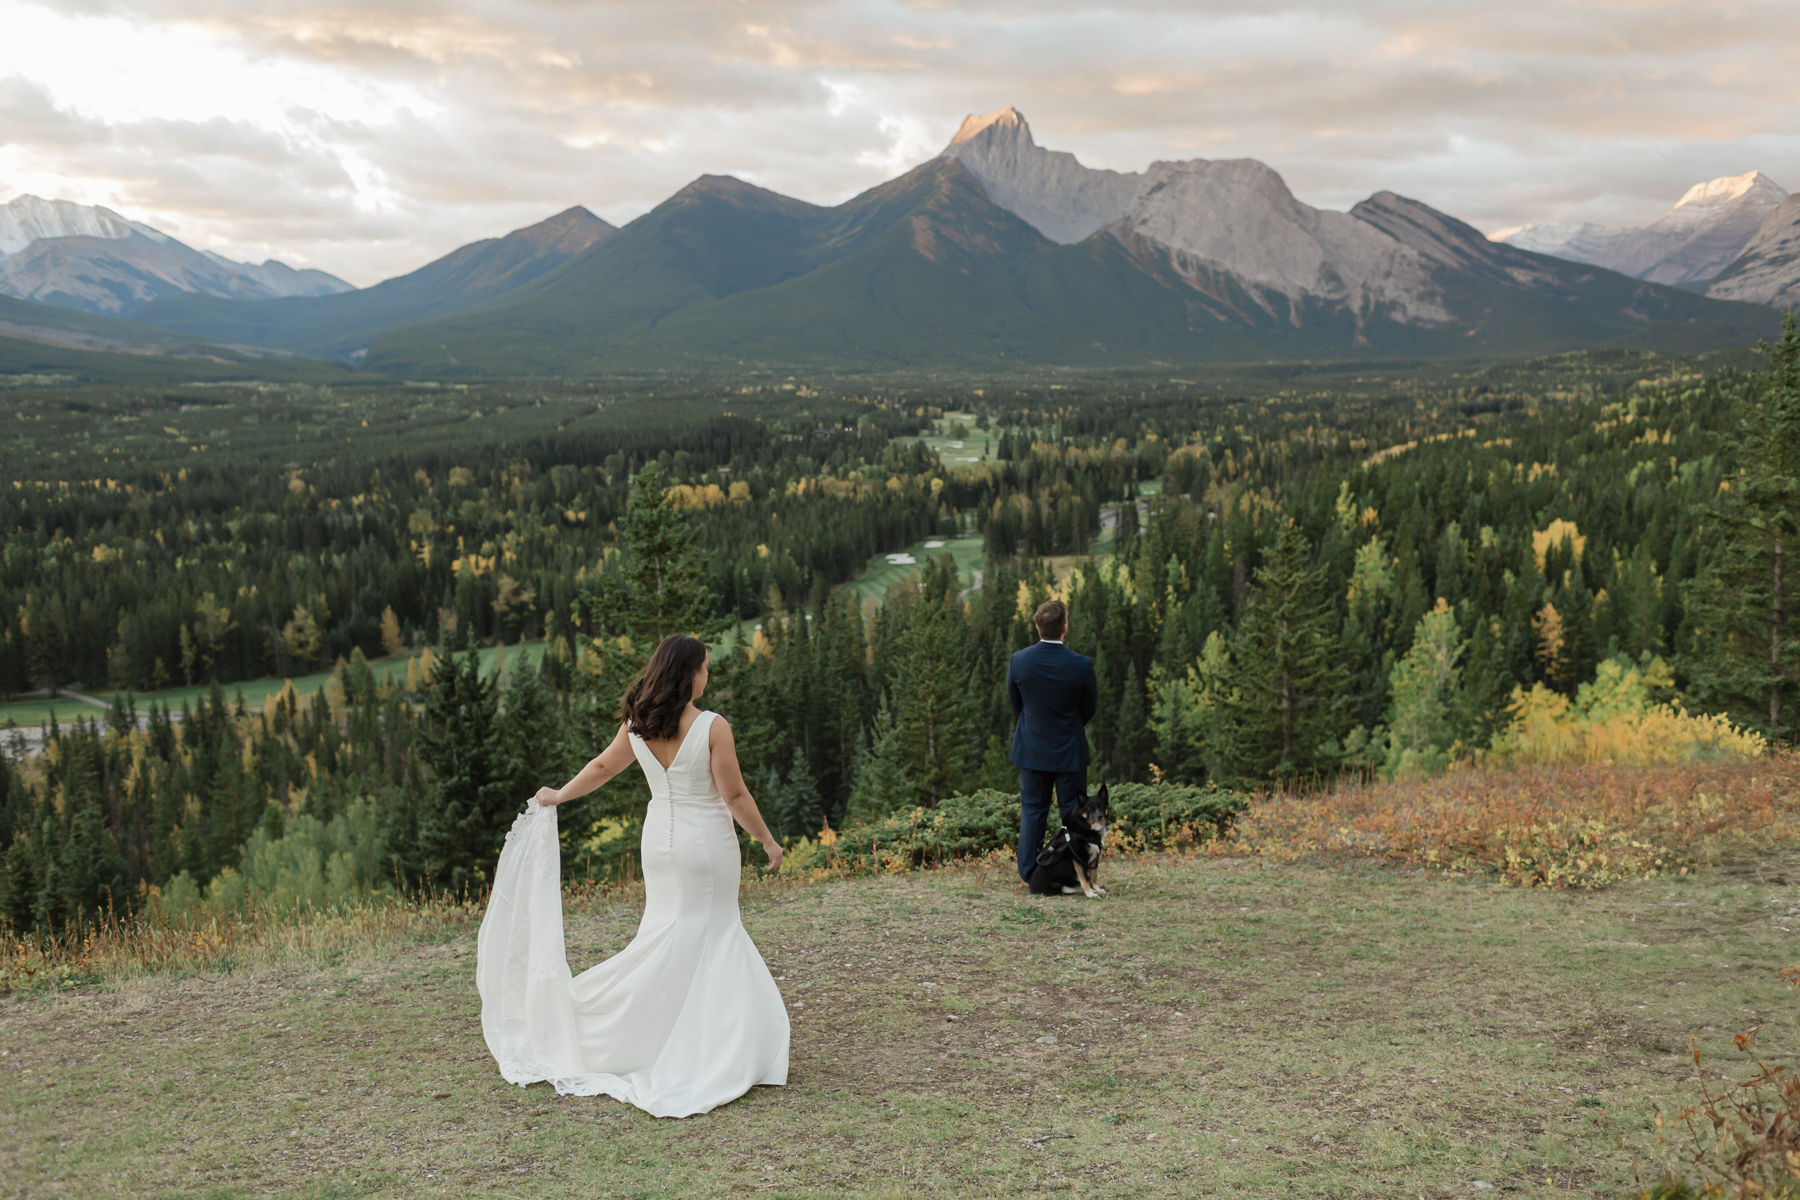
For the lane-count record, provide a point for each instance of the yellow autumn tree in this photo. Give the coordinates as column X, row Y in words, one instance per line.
column 391, row 641
column 1615, row 721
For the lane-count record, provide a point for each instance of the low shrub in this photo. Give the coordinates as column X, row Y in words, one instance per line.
column 963, row 826
column 1565, row 826
column 1742, row 1140
column 975, row 824
column 313, row 864
column 1156, row 816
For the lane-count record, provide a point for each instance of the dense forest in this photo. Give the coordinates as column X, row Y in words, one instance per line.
column 1278, row 579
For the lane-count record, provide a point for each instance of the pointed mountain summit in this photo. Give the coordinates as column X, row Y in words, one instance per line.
column 1230, row 225
column 1050, row 189
column 339, row 326
column 1708, row 228
column 727, row 270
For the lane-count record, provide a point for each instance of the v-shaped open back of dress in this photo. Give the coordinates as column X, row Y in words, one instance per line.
column 683, row 1019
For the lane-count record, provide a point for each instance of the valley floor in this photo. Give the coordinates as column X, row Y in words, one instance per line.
column 1213, row 1027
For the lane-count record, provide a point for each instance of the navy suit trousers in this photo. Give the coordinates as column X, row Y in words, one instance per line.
column 1035, row 788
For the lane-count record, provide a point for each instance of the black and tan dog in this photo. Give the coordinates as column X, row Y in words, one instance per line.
column 1071, row 862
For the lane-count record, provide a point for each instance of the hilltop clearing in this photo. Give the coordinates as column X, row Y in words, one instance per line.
column 1213, row 1027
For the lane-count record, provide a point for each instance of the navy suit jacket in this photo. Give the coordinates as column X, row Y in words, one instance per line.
column 1053, row 694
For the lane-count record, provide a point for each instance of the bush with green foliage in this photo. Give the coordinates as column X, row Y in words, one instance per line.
column 1161, row 815
column 311, row 865
column 969, row 825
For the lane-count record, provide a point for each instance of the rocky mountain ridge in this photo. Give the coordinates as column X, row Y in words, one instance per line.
column 1768, row 271
column 90, row 258
column 954, row 262
column 997, row 252
column 1694, row 242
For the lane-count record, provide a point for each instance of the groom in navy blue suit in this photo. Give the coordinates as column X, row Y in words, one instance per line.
column 1053, row 695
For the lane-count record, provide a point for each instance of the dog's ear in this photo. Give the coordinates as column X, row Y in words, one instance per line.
column 1103, row 797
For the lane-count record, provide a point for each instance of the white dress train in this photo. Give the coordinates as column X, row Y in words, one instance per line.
column 680, row 1021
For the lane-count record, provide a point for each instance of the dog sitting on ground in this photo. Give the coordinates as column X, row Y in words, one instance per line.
column 1071, row 862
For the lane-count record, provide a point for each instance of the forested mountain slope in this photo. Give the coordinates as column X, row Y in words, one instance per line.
column 339, row 326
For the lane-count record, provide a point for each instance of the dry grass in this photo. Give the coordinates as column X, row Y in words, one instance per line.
column 1320, row 1007
column 1564, row 826
column 1223, row 1027
column 114, row 950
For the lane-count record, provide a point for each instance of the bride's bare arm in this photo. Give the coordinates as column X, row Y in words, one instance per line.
column 602, row 767
column 728, row 777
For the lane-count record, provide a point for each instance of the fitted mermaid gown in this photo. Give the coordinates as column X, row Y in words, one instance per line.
column 680, row 1021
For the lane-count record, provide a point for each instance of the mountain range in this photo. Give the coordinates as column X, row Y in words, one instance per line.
column 1723, row 237
column 92, row 259
column 1000, row 252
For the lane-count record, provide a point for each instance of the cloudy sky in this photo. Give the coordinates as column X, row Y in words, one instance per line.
column 367, row 137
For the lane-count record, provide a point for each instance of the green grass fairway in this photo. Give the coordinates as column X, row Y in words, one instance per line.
column 1211, row 1028
column 883, row 574
column 978, row 445
column 36, row 710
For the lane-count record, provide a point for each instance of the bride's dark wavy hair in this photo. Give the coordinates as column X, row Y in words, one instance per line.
column 653, row 702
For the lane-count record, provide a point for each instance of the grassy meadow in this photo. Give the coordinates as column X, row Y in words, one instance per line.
column 1226, row 1024
column 37, row 710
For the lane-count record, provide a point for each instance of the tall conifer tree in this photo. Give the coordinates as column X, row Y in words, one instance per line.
column 1745, row 605
column 469, row 802
column 1290, row 684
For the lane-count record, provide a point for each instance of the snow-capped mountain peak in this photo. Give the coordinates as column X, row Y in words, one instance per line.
column 25, row 218
column 88, row 257
column 1693, row 242
column 1716, row 192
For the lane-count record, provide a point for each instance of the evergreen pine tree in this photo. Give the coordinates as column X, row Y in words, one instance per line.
column 536, row 751
column 1745, row 604
column 882, row 783
column 791, row 807
column 90, row 874
column 934, row 702
column 663, row 583
column 1132, row 737
column 1290, row 684
column 469, row 801
column 19, row 882
column 660, row 587
column 12, row 804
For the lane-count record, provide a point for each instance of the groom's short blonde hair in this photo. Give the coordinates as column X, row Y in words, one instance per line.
column 1050, row 618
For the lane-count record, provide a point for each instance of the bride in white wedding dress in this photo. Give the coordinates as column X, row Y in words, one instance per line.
column 686, row 1017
